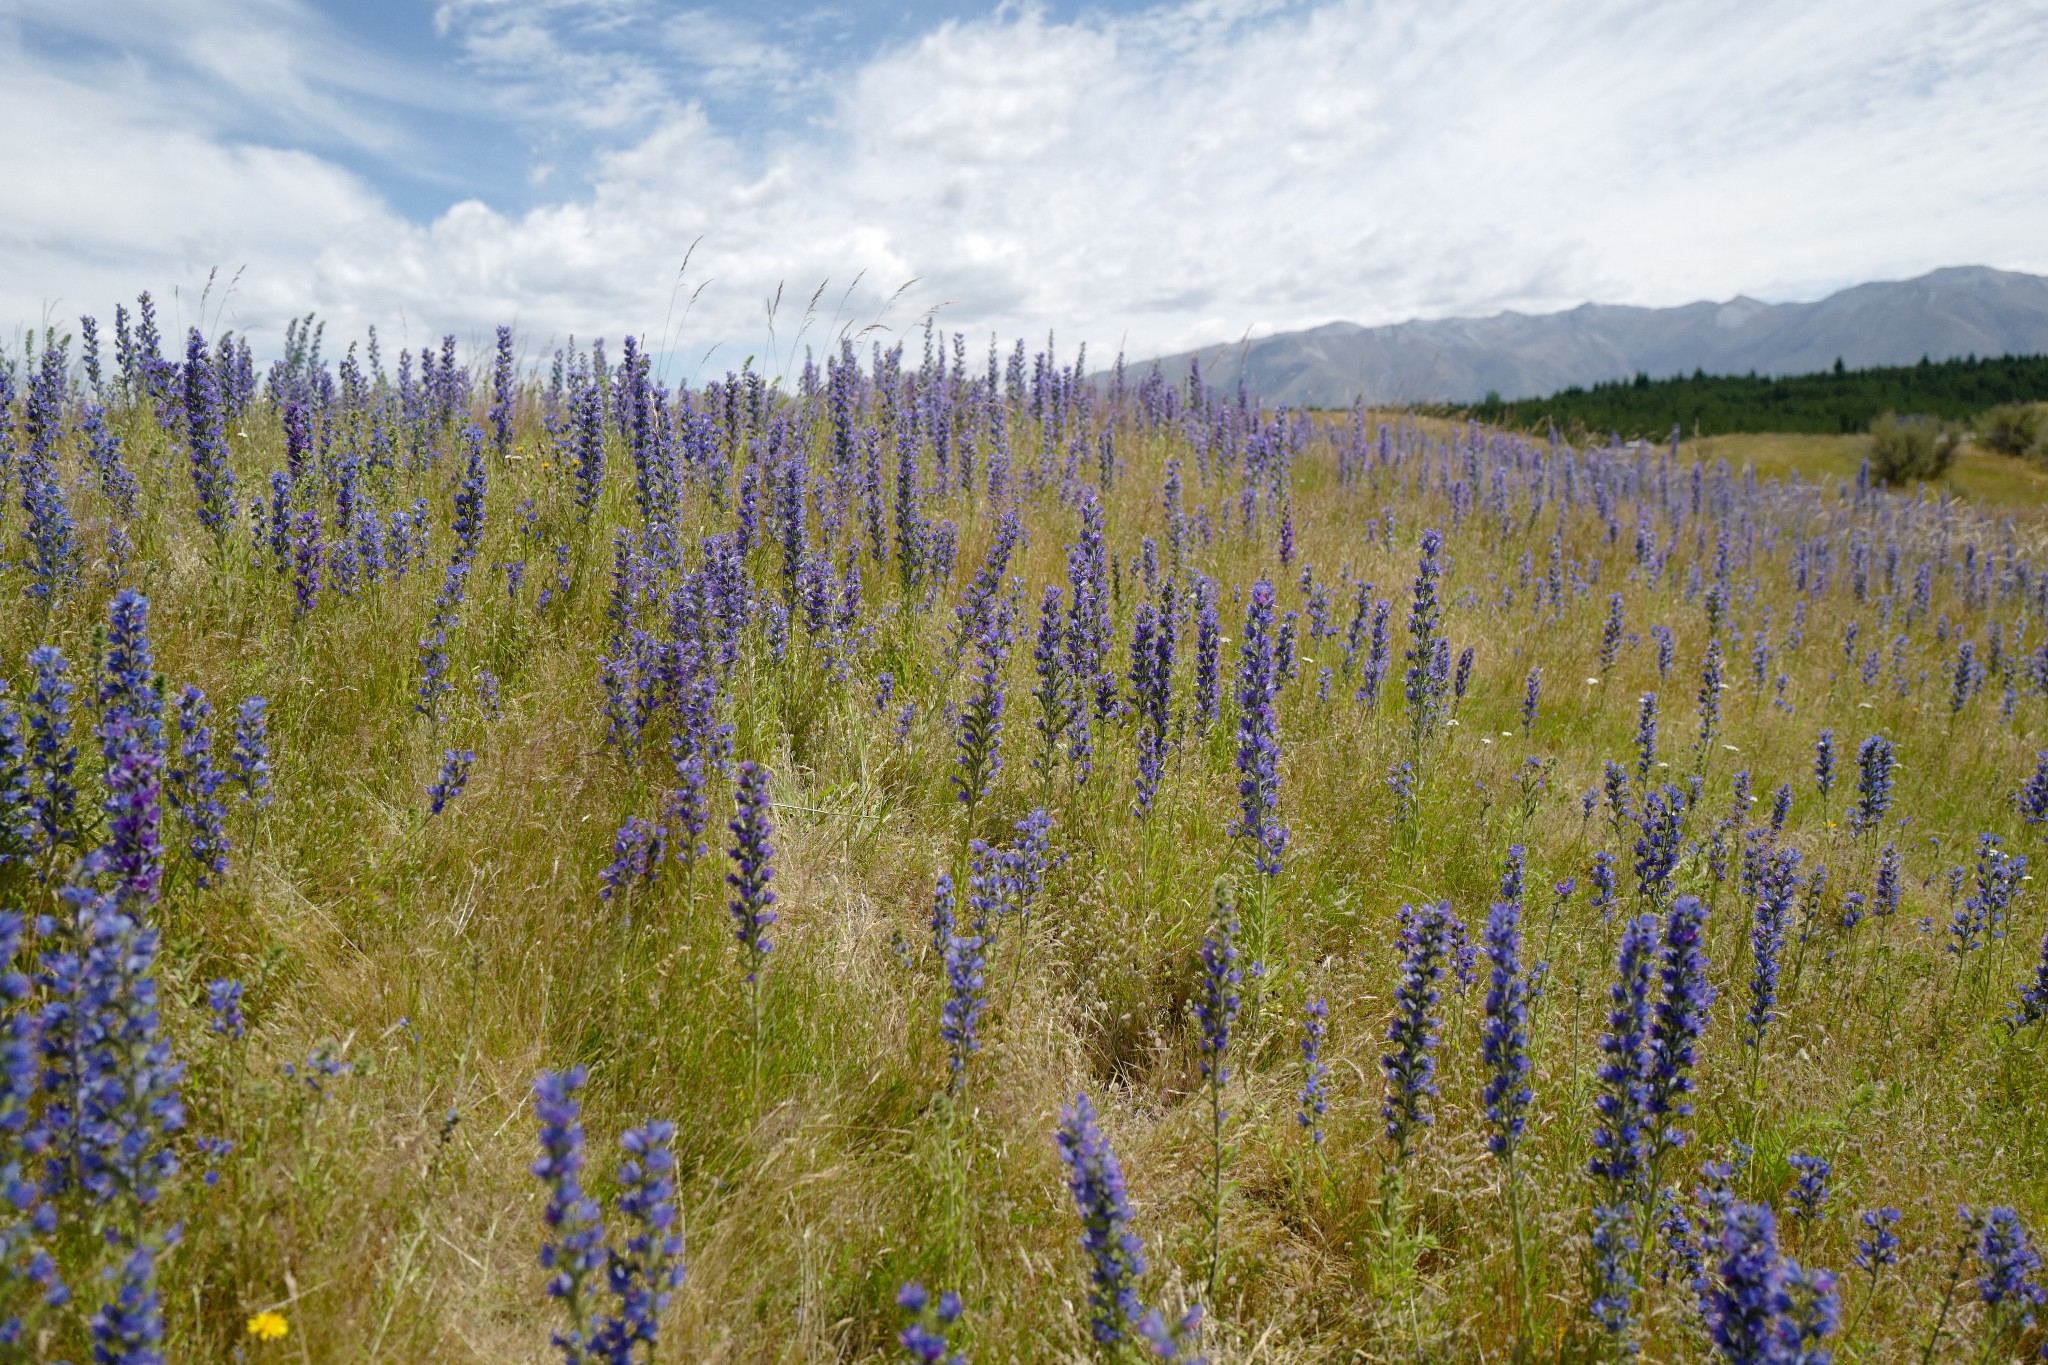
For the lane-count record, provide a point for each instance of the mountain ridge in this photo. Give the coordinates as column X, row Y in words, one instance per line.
column 1948, row 313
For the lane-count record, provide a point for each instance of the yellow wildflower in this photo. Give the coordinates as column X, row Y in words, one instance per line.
column 269, row 1326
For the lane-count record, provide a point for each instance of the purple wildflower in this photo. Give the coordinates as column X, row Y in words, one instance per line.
column 637, row 852
column 134, row 808
column 1658, row 845
column 943, row 917
column 644, row 1270
column 501, row 396
column 1874, row 764
column 1117, row 1258
column 1810, row 1190
column 469, row 497
column 105, row 1056
column 1504, row 1037
column 309, row 556
column 52, row 757
column 1208, row 639
column 1614, row 1244
column 1217, row 1006
column 753, row 858
column 2011, row 1294
column 686, row 808
column 1710, row 699
column 1410, row 1065
column 1601, row 874
column 576, row 1252
column 923, row 1339
column 2032, row 1006
column 1778, row 884
column 1680, row 1019
column 1765, row 1310
column 1055, row 693
column 212, row 479
column 1624, row 1101
column 1646, row 737
column 455, row 766
column 1152, row 697
column 224, row 999
column 1258, row 747
column 195, row 783
column 1881, row 1247
column 249, row 760
column 1314, row 1100
column 979, row 742
column 1425, row 620
column 1025, row 861
column 128, row 1329
column 965, row 999
column 1981, row 919
column 1610, row 634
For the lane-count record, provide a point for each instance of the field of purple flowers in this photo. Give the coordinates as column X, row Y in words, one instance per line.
column 505, row 859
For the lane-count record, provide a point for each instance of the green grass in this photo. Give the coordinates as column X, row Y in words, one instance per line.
column 450, row 959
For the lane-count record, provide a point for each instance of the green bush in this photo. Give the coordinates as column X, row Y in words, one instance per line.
column 2011, row 429
column 1908, row 448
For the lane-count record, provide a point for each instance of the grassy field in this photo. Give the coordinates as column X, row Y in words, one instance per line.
column 1979, row 474
column 802, row 568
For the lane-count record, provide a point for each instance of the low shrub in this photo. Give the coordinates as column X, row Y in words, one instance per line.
column 1903, row 449
column 2012, row 429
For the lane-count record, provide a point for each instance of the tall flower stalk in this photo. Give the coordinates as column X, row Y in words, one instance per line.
column 574, row 1254
column 1412, row 1036
column 1425, row 688
column 1504, row 1051
column 1313, row 1101
column 1681, row 1016
column 1619, row 1157
column 1875, row 760
column 1258, row 737
column 1777, row 885
column 206, row 438
column 1217, row 1009
column 753, row 859
column 2008, row 1284
column 980, row 739
column 966, row 997
column 1116, row 1257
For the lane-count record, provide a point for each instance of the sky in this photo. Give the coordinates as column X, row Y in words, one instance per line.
column 748, row 179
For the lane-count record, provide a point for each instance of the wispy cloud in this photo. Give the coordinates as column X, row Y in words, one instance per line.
column 1172, row 176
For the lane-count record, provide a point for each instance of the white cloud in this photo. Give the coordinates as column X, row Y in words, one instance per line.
column 1172, row 178
column 112, row 193
column 561, row 59
column 275, row 70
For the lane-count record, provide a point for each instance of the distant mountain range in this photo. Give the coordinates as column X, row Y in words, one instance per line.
column 1963, row 310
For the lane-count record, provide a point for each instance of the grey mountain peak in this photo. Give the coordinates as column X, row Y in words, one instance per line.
column 1957, row 311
